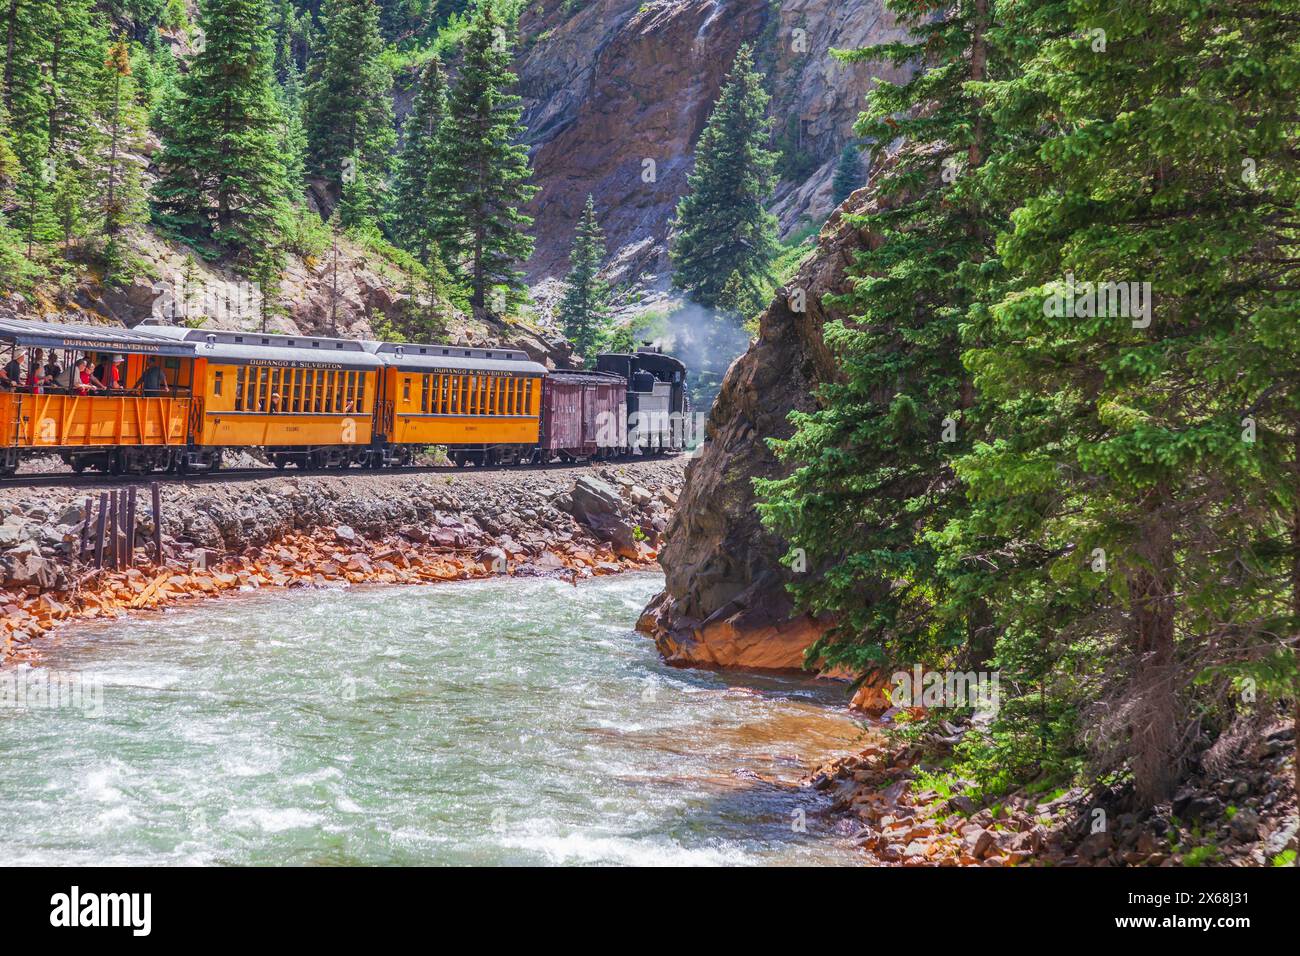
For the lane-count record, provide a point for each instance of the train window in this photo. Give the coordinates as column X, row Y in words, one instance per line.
column 240, row 385
column 299, row 384
column 216, row 383
column 361, row 391
column 340, row 387
column 406, row 388
column 426, row 383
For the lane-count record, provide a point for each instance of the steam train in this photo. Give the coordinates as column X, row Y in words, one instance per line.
column 186, row 396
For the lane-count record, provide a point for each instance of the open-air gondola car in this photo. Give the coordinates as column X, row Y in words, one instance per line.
column 50, row 411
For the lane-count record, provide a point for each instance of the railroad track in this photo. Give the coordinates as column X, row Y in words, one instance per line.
column 69, row 479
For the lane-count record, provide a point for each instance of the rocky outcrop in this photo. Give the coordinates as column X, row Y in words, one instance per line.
column 724, row 602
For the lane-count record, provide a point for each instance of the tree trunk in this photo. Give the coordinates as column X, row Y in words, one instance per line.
column 111, row 224
column 1295, row 606
column 978, row 64
column 9, row 55
column 1154, row 727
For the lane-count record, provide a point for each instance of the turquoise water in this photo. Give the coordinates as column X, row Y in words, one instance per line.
column 508, row 721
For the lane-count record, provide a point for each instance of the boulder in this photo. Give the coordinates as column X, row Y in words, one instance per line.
column 598, row 506
column 26, row 567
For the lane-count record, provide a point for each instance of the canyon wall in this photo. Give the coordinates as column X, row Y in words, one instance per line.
column 611, row 84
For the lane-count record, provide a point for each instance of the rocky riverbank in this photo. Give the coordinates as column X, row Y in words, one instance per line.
column 322, row 531
column 1239, row 809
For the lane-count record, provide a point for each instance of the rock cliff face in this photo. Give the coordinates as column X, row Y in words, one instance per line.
column 612, row 84
column 724, row 602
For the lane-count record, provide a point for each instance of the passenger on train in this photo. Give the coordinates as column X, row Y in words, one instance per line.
column 153, row 382
column 109, row 372
column 38, row 377
column 53, row 371
column 11, row 376
column 83, row 380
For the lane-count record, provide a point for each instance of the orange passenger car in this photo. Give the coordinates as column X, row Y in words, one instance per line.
column 484, row 405
column 303, row 399
column 113, row 398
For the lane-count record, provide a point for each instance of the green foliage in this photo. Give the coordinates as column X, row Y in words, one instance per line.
column 848, row 174
column 349, row 112
column 584, row 308
column 425, row 172
column 723, row 226
column 481, row 230
column 221, row 183
column 1112, row 524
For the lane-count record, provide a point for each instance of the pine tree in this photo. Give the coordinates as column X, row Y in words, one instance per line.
column 482, row 229
column 349, row 116
column 220, row 176
column 871, row 467
column 28, row 25
column 116, row 179
column 848, row 175
column 15, row 268
column 584, row 308
column 1123, row 460
column 722, row 224
column 424, row 175
column 293, row 136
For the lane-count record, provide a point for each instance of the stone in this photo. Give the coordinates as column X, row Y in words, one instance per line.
column 492, row 560
column 345, row 534
column 1245, row 825
column 977, row 842
column 27, row 568
column 1095, row 845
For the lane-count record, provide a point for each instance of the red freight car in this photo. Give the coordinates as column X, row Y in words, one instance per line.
column 584, row 415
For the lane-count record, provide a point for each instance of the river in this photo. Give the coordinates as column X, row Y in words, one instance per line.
column 510, row 721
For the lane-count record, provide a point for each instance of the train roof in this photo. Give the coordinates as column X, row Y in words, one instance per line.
column 452, row 358
column 90, row 338
column 268, row 348
column 648, row 359
column 586, row 375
